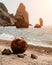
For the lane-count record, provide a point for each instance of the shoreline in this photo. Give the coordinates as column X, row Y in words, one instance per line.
column 41, row 49
column 44, row 56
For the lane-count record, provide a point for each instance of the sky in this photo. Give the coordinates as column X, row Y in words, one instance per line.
column 36, row 9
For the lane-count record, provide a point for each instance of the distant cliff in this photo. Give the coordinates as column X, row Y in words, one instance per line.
column 3, row 7
column 6, row 19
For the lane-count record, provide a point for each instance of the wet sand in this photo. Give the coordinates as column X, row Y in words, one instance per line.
column 44, row 55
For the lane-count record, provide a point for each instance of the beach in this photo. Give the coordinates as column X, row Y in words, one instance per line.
column 44, row 55
column 25, row 32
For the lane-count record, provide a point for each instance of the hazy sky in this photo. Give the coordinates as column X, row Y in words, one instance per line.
column 35, row 8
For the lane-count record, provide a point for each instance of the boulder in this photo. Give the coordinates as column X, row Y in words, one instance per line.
column 6, row 52
column 19, row 45
column 22, row 17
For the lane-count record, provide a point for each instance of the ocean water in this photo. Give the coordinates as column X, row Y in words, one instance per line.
column 35, row 36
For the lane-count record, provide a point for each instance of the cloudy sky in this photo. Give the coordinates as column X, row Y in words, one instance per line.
column 35, row 8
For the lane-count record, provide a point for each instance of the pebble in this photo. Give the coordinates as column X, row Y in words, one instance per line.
column 21, row 55
column 33, row 56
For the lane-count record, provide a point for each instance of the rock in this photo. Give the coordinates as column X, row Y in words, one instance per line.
column 3, row 7
column 33, row 56
column 6, row 52
column 22, row 17
column 21, row 55
column 41, row 21
column 39, row 25
column 18, row 45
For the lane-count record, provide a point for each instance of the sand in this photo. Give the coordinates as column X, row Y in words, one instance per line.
column 44, row 56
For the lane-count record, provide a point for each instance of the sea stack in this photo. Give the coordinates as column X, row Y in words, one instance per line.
column 19, row 46
column 39, row 25
column 41, row 21
column 22, row 17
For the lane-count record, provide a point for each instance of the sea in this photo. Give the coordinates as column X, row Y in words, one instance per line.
column 34, row 36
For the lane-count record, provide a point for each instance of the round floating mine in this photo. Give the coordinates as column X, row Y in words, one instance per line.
column 19, row 45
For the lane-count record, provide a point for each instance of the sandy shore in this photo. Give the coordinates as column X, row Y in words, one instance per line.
column 44, row 56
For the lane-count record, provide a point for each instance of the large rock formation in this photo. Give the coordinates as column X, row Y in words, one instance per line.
column 3, row 7
column 22, row 17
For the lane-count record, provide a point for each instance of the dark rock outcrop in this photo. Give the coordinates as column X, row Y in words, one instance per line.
column 19, row 46
column 3, row 7
column 6, row 19
column 22, row 17
column 6, row 52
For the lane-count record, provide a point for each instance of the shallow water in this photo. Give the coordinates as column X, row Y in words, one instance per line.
column 35, row 36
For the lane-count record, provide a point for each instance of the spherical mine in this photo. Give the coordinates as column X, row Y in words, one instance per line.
column 19, row 45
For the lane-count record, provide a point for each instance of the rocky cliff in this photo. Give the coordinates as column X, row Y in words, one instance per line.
column 6, row 19
column 3, row 7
